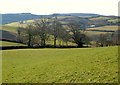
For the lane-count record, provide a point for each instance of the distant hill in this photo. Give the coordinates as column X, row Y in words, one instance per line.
column 8, row 18
column 86, row 20
column 16, row 17
column 79, row 14
column 7, row 35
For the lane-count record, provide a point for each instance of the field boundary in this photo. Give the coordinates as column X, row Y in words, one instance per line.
column 47, row 46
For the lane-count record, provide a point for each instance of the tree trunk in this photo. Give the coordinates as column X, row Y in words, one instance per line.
column 59, row 42
column 80, row 44
column 66, row 43
column 29, row 41
column 44, row 42
column 55, row 42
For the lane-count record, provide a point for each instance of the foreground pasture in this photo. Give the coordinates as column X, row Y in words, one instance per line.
column 78, row 65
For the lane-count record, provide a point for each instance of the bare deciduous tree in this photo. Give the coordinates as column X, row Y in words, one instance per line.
column 41, row 28
column 76, row 34
column 30, row 33
column 56, row 27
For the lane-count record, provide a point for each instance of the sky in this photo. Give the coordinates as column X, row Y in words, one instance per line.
column 40, row 7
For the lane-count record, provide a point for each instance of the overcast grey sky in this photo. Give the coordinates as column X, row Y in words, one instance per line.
column 104, row 7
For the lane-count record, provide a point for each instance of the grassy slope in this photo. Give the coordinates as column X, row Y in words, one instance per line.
column 13, row 29
column 108, row 28
column 114, row 20
column 100, row 18
column 5, row 43
column 9, row 28
column 16, row 24
column 112, row 28
column 61, row 65
column 90, row 33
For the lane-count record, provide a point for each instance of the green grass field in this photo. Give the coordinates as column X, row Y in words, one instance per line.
column 101, row 18
column 18, row 24
column 111, row 28
column 5, row 43
column 76, row 65
column 91, row 33
column 9, row 28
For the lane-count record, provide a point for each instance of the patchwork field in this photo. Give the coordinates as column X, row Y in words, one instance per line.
column 91, row 33
column 78, row 65
column 109, row 28
column 100, row 30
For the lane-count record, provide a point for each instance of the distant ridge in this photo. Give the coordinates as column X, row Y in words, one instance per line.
column 16, row 17
column 8, row 18
column 78, row 14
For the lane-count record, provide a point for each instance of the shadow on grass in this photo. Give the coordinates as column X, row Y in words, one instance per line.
column 47, row 46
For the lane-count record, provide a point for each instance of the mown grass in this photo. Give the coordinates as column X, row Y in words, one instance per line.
column 76, row 65
column 5, row 43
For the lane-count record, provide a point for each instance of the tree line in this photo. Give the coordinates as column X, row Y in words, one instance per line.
column 41, row 30
column 108, row 39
